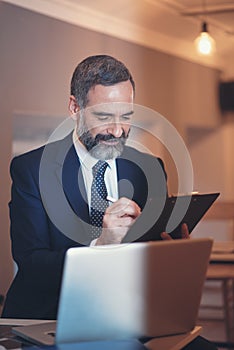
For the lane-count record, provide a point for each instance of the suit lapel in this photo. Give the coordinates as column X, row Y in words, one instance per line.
column 73, row 184
column 69, row 172
column 131, row 181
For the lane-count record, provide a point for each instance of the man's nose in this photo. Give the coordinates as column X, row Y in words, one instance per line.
column 115, row 129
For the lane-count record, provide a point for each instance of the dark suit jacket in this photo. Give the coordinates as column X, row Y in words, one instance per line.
column 49, row 214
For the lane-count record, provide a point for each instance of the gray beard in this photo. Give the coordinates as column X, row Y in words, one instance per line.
column 105, row 152
column 99, row 150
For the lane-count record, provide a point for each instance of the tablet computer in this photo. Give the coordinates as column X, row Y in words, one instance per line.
column 168, row 215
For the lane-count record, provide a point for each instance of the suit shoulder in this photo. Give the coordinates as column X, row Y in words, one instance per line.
column 133, row 153
column 35, row 153
column 33, row 157
column 26, row 158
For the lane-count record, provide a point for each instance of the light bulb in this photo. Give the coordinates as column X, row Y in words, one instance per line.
column 204, row 43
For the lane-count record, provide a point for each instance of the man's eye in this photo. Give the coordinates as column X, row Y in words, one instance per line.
column 103, row 117
column 126, row 117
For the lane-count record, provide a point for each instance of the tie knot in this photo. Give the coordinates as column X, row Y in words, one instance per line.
column 99, row 168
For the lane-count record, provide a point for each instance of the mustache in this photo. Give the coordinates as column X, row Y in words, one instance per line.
column 91, row 142
column 101, row 137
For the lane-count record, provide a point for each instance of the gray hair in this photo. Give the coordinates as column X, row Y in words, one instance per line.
column 101, row 69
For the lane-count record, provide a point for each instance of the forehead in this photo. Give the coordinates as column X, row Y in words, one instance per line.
column 121, row 92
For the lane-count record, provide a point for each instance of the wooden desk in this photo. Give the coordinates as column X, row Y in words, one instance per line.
column 174, row 342
column 221, row 268
column 222, row 252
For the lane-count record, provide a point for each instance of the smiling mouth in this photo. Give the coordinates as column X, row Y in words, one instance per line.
column 111, row 142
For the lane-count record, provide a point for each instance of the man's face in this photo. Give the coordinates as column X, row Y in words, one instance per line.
column 104, row 125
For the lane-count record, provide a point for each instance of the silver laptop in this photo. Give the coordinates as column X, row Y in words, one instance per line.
column 127, row 291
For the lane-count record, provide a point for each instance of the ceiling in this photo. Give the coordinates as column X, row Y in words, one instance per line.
column 167, row 25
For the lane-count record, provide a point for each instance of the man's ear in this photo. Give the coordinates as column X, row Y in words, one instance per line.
column 73, row 107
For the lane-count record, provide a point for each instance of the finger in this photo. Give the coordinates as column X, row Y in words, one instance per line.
column 115, row 222
column 130, row 207
column 184, row 231
column 165, row 236
column 124, row 207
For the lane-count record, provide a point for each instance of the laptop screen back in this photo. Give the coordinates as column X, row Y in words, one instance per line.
column 131, row 290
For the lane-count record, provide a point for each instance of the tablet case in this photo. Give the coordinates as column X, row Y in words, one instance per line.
column 168, row 215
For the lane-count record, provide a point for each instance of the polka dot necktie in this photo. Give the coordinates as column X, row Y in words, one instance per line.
column 98, row 198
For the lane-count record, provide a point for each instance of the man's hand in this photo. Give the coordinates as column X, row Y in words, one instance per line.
column 117, row 220
column 184, row 233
